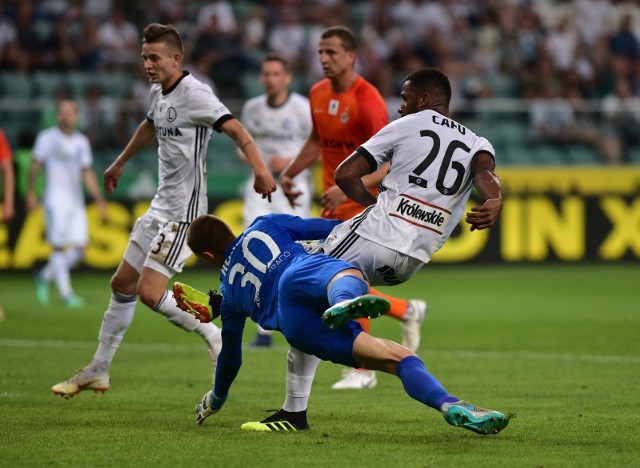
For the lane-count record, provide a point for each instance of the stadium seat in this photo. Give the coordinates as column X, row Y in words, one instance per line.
column 251, row 86
column 16, row 85
column 114, row 84
column 46, row 83
column 78, row 82
column 578, row 154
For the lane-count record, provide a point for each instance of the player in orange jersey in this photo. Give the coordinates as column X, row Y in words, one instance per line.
column 8, row 186
column 8, row 179
column 346, row 111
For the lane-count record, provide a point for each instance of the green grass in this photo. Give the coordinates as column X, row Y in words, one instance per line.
column 557, row 345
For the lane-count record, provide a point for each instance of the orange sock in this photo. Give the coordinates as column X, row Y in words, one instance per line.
column 366, row 325
column 398, row 306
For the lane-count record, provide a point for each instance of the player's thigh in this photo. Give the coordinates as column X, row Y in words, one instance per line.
column 301, row 324
column 382, row 266
column 302, row 293
column 158, row 244
column 78, row 228
column 59, row 220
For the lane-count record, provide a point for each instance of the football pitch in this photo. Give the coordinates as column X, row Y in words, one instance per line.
column 556, row 345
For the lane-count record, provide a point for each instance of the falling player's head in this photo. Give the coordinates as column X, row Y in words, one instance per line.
column 208, row 237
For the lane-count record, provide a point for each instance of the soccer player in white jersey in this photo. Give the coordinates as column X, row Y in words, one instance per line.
column 182, row 116
column 434, row 163
column 280, row 122
column 65, row 154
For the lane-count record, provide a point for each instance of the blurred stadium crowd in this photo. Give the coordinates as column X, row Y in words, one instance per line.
column 546, row 81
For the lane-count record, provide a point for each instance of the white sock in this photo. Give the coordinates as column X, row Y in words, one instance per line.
column 301, row 368
column 46, row 273
column 73, row 256
column 115, row 323
column 262, row 331
column 169, row 308
column 60, row 272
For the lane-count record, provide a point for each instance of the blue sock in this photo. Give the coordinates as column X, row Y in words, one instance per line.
column 346, row 288
column 420, row 385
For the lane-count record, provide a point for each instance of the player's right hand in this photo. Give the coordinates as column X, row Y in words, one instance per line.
column 264, row 184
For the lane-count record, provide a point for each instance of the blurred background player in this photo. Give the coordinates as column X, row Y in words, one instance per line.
column 346, row 111
column 65, row 153
column 8, row 179
column 7, row 182
column 279, row 121
column 183, row 114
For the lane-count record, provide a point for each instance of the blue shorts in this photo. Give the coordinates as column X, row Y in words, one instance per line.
column 302, row 292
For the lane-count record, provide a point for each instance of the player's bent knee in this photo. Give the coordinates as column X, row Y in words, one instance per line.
column 149, row 296
column 123, row 287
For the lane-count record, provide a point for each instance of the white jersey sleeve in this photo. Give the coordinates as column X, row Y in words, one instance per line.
column 424, row 195
column 205, row 108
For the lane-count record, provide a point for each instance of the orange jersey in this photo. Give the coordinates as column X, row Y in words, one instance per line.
column 5, row 150
column 343, row 121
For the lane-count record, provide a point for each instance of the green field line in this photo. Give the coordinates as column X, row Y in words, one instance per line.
column 169, row 347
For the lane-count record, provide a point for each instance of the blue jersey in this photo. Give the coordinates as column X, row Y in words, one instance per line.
column 254, row 264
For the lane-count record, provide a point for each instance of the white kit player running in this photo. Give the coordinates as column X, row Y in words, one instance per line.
column 182, row 115
column 434, row 163
column 65, row 154
column 280, row 122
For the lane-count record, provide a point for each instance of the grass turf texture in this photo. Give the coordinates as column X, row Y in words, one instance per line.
column 557, row 345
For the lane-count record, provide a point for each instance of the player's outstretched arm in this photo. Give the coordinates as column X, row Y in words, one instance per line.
column 9, row 179
column 141, row 137
column 264, row 183
column 489, row 189
column 91, row 182
column 32, row 198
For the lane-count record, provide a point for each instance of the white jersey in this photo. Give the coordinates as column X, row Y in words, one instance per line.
column 64, row 157
column 424, row 195
column 278, row 131
column 184, row 116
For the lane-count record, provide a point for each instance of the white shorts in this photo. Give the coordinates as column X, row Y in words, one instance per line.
column 158, row 244
column 381, row 265
column 66, row 224
column 254, row 205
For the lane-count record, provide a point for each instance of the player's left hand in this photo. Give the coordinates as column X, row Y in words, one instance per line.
column 332, row 198
column 264, row 184
column 485, row 215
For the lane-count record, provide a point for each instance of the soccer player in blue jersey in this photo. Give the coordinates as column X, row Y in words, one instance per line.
column 267, row 275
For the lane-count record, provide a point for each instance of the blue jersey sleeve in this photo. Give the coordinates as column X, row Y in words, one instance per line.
column 230, row 358
column 305, row 228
